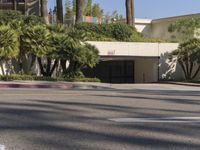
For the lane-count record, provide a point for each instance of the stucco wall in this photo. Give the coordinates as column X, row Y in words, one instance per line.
column 127, row 49
column 160, row 30
column 144, row 29
column 143, row 26
column 146, row 70
column 166, row 68
column 141, row 53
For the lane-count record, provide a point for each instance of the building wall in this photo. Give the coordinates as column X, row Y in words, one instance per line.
column 145, row 56
column 143, row 26
column 146, row 70
column 166, row 68
column 156, row 29
column 160, row 30
column 137, row 49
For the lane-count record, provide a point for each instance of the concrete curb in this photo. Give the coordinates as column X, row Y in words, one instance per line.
column 75, row 85
column 181, row 83
column 29, row 85
column 55, row 85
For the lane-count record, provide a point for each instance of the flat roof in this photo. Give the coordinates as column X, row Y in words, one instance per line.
column 175, row 18
column 166, row 19
column 143, row 21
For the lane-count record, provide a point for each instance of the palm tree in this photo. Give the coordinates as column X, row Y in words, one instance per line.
column 59, row 11
column 44, row 11
column 130, row 12
column 9, row 45
column 79, row 10
column 133, row 11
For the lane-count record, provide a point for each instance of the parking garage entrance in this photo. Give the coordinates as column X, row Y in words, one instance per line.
column 112, row 71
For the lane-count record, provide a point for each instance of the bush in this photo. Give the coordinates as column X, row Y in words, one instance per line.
column 112, row 32
column 42, row 78
column 119, row 32
column 7, row 16
column 84, row 80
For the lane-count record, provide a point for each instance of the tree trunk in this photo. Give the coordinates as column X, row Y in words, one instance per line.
column 2, row 67
column 54, row 67
column 63, row 65
column 49, row 69
column 14, row 4
column 191, row 68
column 129, row 12
column 133, row 12
column 41, row 66
column 79, row 10
column 44, row 11
column 184, row 69
column 59, row 11
column 196, row 72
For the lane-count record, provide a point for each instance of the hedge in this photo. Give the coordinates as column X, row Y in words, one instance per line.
column 119, row 32
column 112, row 32
column 41, row 78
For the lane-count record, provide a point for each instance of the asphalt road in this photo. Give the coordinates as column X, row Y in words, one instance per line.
column 49, row 119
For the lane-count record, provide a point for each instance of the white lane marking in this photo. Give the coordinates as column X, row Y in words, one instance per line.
column 2, row 147
column 158, row 120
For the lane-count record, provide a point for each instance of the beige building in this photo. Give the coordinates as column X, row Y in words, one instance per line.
column 158, row 28
column 130, row 62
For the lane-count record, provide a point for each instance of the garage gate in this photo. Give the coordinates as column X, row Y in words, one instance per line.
column 114, row 71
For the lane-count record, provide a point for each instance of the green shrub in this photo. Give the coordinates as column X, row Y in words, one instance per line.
column 8, row 16
column 42, row 78
column 113, row 32
column 72, row 75
column 119, row 32
column 84, row 80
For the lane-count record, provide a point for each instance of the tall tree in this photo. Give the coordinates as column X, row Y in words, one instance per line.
column 133, row 11
column 88, row 9
column 97, row 11
column 68, row 12
column 74, row 7
column 44, row 11
column 79, row 10
column 129, row 12
column 9, row 45
column 188, row 57
column 59, row 5
column 68, row 9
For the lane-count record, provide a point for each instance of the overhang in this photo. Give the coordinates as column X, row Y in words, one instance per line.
column 132, row 49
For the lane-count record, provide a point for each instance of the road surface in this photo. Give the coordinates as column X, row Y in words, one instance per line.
column 141, row 117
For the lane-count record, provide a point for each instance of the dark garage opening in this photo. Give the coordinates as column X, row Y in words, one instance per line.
column 114, row 71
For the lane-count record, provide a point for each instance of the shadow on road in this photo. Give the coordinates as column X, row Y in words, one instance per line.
column 72, row 125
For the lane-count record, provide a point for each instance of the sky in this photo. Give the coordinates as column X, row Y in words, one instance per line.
column 151, row 9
